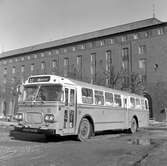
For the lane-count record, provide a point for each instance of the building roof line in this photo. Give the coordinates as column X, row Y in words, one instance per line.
column 86, row 36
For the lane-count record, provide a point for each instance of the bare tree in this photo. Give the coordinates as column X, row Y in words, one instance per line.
column 113, row 77
column 137, row 83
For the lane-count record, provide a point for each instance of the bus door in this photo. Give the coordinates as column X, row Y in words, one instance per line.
column 126, row 114
column 69, row 110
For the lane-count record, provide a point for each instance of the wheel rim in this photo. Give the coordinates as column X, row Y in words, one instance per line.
column 84, row 129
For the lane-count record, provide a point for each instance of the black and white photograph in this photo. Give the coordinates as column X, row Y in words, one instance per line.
column 83, row 83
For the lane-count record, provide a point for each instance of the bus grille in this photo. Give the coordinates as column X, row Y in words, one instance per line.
column 34, row 117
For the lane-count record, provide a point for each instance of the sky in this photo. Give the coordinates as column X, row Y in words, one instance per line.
column 29, row 22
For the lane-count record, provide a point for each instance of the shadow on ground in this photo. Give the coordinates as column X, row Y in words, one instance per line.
column 35, row 137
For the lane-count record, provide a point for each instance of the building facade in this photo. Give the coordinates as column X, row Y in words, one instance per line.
column 130, row 57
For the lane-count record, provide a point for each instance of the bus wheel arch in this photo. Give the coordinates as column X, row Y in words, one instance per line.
column 134, row 124
column 86, row 126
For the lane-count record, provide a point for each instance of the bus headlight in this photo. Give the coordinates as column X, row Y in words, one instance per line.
column 18, row 116
column 49, row 118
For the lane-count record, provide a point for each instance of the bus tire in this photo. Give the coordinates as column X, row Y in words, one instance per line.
column 133, row 126
column 85, row 130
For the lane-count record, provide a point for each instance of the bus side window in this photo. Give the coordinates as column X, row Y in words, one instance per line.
column 66, row 97
column 71, row 97
column 138, row 104
column 108, row 98
column 87, row 95
column 132, row 102
column 99, row 98
column 117, row 100
column 142, row 104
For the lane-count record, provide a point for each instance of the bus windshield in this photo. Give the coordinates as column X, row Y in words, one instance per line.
column 47, row 92
column 50, row 93
column 29, row 92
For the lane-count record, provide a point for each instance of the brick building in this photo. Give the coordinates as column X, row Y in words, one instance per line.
column 129, row 57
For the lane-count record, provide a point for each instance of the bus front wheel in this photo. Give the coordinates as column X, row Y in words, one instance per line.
column 134, row 126
column 85, row 128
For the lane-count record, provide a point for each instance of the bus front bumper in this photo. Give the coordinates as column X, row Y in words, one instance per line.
column 31, row 129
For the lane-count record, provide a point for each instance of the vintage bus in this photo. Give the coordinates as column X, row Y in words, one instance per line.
column 52, row 104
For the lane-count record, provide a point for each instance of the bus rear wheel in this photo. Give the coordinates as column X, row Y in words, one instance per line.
column 133, row 127
column 85, row 130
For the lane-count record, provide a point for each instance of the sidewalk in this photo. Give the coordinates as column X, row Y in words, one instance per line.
column 155, row 125
column 6, row 124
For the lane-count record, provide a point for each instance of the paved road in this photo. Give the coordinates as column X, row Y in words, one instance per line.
column 145, row 148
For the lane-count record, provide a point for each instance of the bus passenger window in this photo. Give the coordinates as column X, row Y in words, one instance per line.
column 117, row 100
column 142, row 104
column 108, row 98
column 87, row 95
column 72, row 97
column 99, row 98
column 138, row 104
column 132, row 102
column 66, row 97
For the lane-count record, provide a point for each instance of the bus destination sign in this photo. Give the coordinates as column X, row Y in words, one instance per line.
column 39, row 79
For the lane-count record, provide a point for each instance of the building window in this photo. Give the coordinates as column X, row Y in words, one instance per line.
column 32, row 67
column 22, row 68
column 65, row 50
column 125, row 65
column 124, row 38
column 146, row 34
column 42, row 55
column 28, row 57
column 16, row 60
column 142, row 63
column 82, row 46
column 73, row 48
column 35, row 56
column 54, row 64
column 66, row 66
column 79, row 67
column 125, row 54
column 57, row 51
column 142, row 78
column 142, row 49
column 160, row 31
column 135, row 36
column 50, row 52
column 101, row 42
column 93, row 67
column 125, row 59
column 108, row 66
column 111, row 41
column 10, row 61
column 22, row 58
column 4, row 81
column 5, row 71
column 13, row 70
column 42, row 65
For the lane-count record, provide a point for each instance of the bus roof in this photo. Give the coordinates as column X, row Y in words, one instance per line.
column 52, row 79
